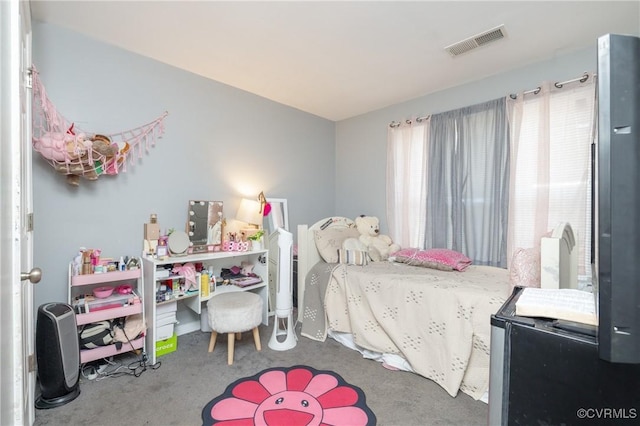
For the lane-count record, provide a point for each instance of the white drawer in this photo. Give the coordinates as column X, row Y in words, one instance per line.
column 166, row 307
column 164, row 332
column 166, row 318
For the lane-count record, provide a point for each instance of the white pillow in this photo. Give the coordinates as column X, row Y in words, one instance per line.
column 329, row 241
column 353, row 257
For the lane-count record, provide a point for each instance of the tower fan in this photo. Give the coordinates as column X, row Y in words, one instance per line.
column 57, row 354
column 284, row 336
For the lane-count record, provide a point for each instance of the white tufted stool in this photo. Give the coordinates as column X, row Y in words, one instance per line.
column 234, row 313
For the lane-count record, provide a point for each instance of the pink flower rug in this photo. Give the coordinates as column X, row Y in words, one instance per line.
column 298, row 395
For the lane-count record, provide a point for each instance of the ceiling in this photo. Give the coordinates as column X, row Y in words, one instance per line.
column 345, row 58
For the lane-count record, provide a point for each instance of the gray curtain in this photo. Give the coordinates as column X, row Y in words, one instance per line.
column 468, row 193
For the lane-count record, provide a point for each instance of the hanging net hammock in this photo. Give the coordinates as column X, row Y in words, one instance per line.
column 76, row 153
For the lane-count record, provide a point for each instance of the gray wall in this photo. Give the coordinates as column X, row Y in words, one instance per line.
column 220, row 143
column 361, row 142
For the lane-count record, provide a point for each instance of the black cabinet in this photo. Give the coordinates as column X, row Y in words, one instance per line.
column 548, row 376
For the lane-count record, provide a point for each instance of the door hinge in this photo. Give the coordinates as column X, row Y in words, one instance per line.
column 30, row 222
column 28, row 81
column 32, row 363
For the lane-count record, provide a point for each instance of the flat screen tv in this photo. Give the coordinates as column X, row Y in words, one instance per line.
column 616, row 254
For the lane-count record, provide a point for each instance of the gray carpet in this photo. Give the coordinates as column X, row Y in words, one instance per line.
column 176, row 392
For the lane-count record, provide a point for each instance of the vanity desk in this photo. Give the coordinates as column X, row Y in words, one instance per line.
column 189, row 305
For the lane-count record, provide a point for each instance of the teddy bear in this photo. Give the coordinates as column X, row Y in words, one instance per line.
column 378, row 246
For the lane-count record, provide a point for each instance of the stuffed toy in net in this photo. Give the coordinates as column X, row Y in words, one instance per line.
column 76, row 153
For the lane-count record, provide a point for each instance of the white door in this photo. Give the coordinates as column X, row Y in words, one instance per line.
column 17, row 355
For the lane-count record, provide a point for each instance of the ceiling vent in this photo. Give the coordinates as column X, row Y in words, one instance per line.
column 477, row 40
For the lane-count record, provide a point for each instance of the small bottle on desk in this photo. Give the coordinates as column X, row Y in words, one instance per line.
column 204, row 284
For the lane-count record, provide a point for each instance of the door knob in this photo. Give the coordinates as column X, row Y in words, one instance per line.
column 34, row 276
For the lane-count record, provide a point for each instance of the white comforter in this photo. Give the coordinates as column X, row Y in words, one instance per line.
column 438, row 321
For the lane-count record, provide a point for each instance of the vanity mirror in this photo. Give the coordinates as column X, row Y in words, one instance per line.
column 204, row 226
column 278, row 217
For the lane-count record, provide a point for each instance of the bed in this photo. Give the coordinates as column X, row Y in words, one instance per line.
column 432, row 322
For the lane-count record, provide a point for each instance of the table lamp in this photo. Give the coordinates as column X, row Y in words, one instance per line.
column 250, row 212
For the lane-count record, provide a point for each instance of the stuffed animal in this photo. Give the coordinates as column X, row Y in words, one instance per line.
column 103, row 146
column 378, row 246
column 60, row 147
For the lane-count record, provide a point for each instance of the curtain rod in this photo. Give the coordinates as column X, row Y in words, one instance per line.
column 558, row 85
column 418, row 119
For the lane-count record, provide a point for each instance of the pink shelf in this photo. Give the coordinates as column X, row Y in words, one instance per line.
column 108, row 314
column 88, row 355
column 77, row 280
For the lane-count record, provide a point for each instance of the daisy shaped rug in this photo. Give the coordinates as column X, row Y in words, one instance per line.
column 292, row 396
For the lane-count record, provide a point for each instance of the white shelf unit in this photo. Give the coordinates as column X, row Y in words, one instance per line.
column 190, row 304
column 84, row 284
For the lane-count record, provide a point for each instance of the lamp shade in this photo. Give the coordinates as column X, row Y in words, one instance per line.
column 250, row 212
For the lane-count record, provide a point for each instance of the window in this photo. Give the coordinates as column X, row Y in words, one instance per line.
column 551, row 136
column 490, row 178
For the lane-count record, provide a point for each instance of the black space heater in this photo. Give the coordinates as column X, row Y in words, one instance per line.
column 57, row 354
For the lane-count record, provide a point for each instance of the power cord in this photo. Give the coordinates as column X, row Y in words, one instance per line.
column 89, row 372
column 135, row 368
column 138, row 367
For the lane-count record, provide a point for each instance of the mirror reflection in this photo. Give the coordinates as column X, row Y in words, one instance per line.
column 278, row 217
column 205, row 223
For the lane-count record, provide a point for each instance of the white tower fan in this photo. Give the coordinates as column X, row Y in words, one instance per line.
column 284, row 336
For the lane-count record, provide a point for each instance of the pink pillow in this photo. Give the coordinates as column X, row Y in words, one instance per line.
column 442, row 259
